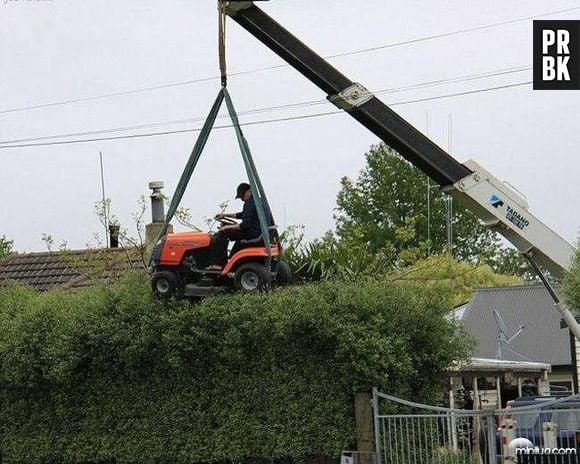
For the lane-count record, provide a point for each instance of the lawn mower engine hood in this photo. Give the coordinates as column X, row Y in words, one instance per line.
column 170, row 249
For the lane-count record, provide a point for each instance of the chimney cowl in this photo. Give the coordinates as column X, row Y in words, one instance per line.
column 156, row 185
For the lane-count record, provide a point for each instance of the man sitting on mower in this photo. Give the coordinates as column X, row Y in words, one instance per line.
column 248, row 229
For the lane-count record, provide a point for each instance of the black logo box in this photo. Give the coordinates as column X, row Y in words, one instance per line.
column 573, row 28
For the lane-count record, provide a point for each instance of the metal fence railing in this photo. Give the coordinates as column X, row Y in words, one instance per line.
column 413, row 433
column 543, row 435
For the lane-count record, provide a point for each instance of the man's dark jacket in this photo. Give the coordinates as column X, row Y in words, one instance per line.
column 250, row 224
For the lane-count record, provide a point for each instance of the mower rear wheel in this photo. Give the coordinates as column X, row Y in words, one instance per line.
column 252, row 278
column 165, row 284
column 284, row 274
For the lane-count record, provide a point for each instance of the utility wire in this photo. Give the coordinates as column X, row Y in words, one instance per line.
column 269, row 68
column 262, row 122
column 469, row 77
column 450, row 34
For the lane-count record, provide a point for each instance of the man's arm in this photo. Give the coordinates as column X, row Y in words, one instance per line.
column 231, row 227
column 228, row 215
column 233, row 216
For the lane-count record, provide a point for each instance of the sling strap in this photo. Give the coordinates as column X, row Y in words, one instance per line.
column 256, row 186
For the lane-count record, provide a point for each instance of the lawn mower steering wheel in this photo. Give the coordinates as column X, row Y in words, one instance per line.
column 227, row 222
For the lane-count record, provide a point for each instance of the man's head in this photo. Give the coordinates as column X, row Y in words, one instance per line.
column 243, row 191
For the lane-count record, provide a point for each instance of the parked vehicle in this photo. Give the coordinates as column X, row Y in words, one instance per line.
column 547, row 427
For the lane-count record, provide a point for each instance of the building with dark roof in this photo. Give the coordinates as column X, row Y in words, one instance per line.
column 542, row 339
column 68, row 269
column 80, row 268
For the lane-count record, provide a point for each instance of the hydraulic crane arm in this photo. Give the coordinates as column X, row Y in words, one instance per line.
column 501, row 207
column 497, row 204
column 361, row 104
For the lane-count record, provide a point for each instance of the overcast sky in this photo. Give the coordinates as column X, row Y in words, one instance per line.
column 59, row 50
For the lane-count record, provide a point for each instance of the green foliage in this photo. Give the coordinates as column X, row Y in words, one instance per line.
column 385, row 209
column 328, row 258
column 510, row 262
column 449, row 280
column 5, row 246
column 383, row 225
column 572, row 283
column 111, row 374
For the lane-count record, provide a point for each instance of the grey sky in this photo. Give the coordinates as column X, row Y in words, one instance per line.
column 56, row 50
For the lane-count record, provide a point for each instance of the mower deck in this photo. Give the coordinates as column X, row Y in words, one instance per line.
column 192, row 290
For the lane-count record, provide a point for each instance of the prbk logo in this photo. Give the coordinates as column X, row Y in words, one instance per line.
column 556, row 55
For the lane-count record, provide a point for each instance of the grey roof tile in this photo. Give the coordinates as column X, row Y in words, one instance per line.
column 45, row 271
column 531, row 306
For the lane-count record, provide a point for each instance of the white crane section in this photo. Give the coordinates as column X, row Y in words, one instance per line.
column 501, row 207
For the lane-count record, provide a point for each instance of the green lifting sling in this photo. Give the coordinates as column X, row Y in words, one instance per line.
column 256, row 186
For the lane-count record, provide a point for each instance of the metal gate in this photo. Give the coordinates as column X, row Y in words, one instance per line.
column 414, row 433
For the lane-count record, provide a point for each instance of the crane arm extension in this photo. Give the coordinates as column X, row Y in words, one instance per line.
column 469, row 182
column 501, row 207
column 354, row 98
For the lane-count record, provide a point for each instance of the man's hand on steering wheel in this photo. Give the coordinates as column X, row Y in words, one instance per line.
column 226, row 222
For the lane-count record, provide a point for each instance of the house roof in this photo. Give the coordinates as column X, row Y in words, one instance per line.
column 542, row 340
column 66, row 269
column 496, row 366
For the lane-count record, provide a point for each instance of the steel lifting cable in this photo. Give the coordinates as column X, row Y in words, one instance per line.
column 222, row 42
column 258, row 192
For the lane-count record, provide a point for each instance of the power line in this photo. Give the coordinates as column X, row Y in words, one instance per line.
column 450, row 34
column 269, row 68
column 465, row 78
column 262, row 122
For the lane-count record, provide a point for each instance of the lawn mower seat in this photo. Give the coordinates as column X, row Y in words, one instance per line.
column 258, row 240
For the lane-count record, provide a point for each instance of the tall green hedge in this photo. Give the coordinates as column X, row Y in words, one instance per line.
column 109, row 374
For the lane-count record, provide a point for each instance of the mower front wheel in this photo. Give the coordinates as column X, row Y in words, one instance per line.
column 165, row 284
column 252, row 278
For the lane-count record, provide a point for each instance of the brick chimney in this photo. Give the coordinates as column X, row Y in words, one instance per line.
column 114, row 235
column 157, row 213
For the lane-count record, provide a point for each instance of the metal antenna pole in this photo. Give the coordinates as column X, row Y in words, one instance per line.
column 450, row 198
column 450, row 134
column 428, row 198
column 449, row 221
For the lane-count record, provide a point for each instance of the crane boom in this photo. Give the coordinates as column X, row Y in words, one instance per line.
column 496, row 203
column 346, row 94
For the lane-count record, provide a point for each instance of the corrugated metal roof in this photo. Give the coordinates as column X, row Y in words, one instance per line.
column 44, row 271
column 531, row 306
column 497, row 365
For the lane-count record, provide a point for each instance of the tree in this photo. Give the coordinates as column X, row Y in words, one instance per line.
column 386, row 208
column 5, row 246
column 327, row 258
column 449, row 280
column 509, row 261
column 572, row 283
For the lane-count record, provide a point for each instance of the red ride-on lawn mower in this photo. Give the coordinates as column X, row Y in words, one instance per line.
column 180, row 261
